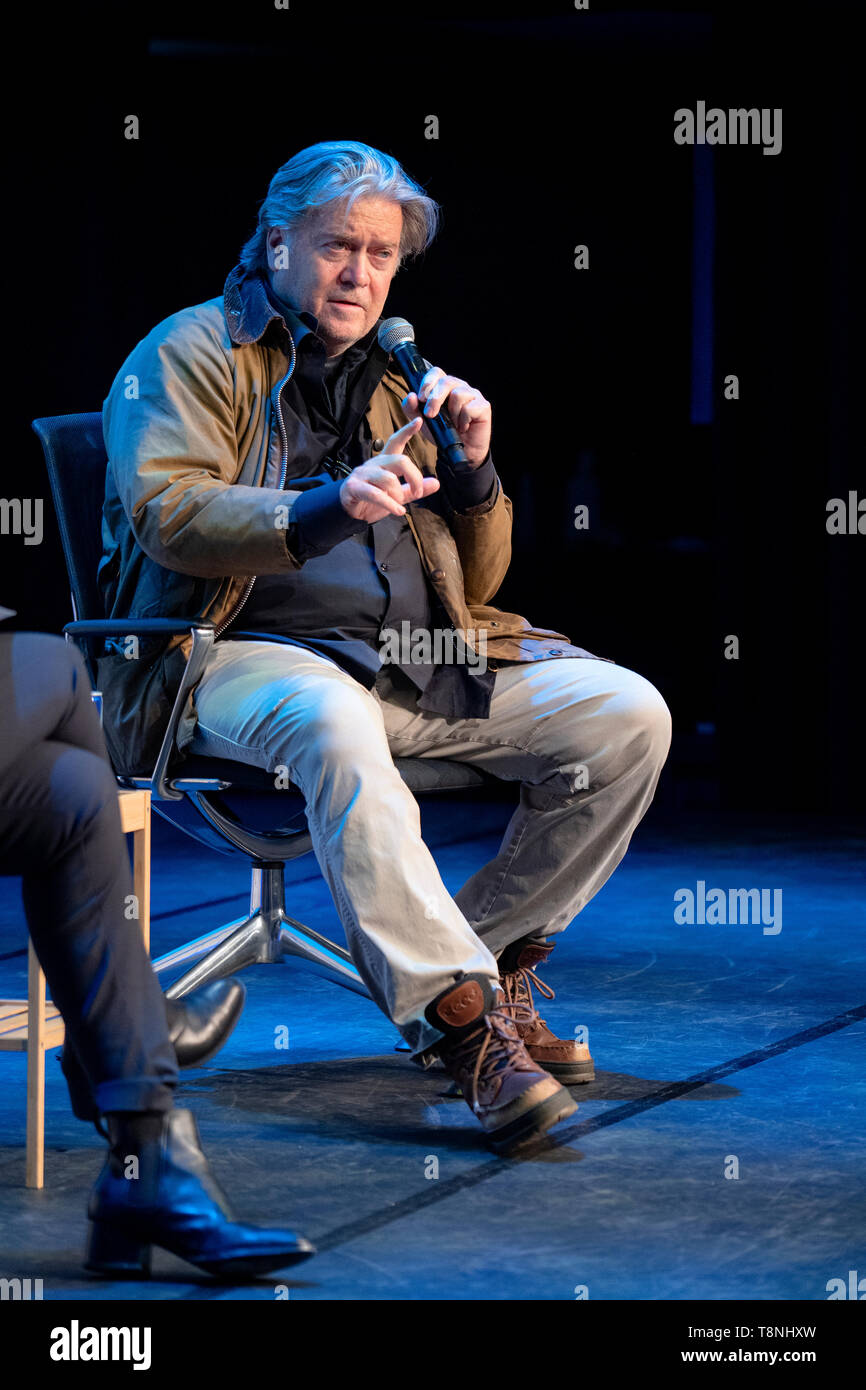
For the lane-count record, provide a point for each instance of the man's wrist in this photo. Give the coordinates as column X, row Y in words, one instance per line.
column 471, row 488
column 479, row 460
column 320, row 520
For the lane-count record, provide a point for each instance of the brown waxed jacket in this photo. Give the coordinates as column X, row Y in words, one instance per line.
column 197, row 453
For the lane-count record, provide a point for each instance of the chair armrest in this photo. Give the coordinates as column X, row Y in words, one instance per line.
column 134, row 627
column 202, row 641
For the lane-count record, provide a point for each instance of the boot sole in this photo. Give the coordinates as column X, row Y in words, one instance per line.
column 532, row 1124
column 226, row 1270
column 568, row 1073
column 117, row 1254
column 259, row 1264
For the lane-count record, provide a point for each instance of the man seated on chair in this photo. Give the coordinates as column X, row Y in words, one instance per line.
column 270, row 473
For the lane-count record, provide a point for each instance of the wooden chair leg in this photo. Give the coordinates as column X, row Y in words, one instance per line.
column 141, row 871
column 35, row 1155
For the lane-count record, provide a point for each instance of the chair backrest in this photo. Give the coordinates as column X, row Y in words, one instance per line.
column 76, row 461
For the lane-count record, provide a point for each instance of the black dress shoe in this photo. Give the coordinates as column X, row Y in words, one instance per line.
column 198, row 1025
column 200, row 1022
column 170, row 1199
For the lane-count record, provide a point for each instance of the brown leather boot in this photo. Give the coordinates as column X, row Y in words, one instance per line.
column 512, row 1096
column 570, row 1062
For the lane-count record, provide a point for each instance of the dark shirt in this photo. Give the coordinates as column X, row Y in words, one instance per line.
column 359, row 581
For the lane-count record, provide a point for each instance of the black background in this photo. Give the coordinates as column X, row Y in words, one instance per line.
column 556, row 128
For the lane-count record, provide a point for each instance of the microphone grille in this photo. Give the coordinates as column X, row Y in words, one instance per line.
column 394, row 331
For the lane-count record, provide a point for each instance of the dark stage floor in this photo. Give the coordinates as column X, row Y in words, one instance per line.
column 712, row 1043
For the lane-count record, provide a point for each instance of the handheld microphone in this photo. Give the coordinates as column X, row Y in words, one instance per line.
column 397, row 337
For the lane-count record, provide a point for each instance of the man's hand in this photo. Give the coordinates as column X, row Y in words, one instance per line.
column 471, row 413
column 373, row 490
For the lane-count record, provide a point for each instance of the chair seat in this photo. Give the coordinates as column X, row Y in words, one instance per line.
column 419, row 774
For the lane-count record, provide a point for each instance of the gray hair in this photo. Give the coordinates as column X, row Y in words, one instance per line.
column 336, row 169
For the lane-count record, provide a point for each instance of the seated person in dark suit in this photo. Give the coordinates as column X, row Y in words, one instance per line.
column 60, row 831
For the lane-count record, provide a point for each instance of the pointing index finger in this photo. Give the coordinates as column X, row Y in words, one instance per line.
column 404, row 433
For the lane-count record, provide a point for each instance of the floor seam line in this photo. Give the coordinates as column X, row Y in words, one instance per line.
column 496, row 1166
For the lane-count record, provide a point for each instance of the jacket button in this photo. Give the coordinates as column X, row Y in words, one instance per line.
column 553, row 651
column 494, row 624
column 378, row 446
column 437, row 574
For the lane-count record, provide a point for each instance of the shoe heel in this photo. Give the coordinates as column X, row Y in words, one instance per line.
column 113, row 1252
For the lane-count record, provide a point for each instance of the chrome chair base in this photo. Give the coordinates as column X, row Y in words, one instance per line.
column 268, row 936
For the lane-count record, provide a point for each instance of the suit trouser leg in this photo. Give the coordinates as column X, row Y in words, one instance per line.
column 293, row 712
column 60, row 831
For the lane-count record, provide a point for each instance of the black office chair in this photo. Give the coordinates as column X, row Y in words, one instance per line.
column 217, row 801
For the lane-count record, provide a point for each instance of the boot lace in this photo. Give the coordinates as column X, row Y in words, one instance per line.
column 500, row 1054
column 518, row 985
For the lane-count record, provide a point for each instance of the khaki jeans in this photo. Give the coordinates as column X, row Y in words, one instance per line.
column 585, row 739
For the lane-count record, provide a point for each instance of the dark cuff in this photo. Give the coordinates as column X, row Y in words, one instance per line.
column 319, row 521
column 471, row 489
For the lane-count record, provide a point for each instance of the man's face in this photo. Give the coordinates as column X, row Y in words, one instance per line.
column 338, row 269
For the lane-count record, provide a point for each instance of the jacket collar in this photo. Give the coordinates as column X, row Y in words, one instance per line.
column 247, row 308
